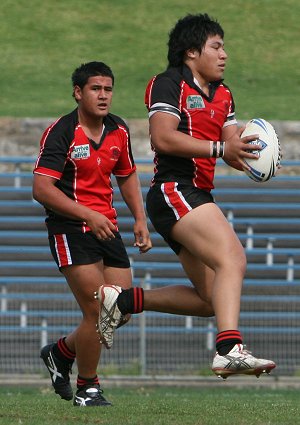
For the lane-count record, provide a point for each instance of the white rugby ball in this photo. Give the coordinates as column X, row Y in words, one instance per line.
column 266, row 166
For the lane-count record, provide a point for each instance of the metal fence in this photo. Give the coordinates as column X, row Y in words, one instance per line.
column 36, row 306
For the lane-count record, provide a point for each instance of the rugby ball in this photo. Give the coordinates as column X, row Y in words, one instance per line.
column 266, row 166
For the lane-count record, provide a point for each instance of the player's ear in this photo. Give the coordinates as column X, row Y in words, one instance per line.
column 77, row 93
column 191, row 53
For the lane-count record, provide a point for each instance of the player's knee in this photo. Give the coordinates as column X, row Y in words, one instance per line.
column 208, row 310
column 235, row 262
column 90, row 311
column 240, row 263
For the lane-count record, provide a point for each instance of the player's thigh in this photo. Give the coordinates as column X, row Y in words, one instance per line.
column 83, row 281
column 118, row 276
column 201, row 276
column 206, row 233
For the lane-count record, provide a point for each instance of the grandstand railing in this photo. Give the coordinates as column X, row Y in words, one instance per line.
column 36, row 305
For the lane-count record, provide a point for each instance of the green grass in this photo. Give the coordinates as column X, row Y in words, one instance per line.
column 43, row 42
column 155, row 406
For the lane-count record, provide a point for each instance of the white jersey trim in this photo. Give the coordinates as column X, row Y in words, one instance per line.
column 164, row 107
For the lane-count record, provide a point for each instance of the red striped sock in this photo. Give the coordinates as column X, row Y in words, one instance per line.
column 131, row 300
column 138, row 300
column 226, row 340
column 62, row 351
column 83, row 382
column 65, row 350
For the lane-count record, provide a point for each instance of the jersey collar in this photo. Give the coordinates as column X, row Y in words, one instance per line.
column 189, row 78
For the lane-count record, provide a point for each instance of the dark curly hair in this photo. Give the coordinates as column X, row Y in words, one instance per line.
column 190, row 32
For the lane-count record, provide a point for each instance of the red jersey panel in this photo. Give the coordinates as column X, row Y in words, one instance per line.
column 83, row 168
column 199, row 115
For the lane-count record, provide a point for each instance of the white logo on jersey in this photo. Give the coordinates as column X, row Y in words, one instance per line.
column 195, row 102
column 81, row 152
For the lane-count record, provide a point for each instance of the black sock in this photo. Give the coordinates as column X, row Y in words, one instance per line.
column 131, row 301
column 226, row 340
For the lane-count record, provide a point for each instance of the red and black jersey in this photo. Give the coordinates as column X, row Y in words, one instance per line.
column 200, row 116
column 83, row 168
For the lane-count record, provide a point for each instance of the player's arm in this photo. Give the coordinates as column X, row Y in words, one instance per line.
column 167, row 140
column 47, row 194
column 162, row 99
column 132, row 195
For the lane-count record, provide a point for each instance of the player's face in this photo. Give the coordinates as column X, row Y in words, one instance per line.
column 96, row 96
column 209, row 65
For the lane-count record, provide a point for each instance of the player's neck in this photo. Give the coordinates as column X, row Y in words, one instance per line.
column 93, row 134
column 92, row 128
column 203, row 86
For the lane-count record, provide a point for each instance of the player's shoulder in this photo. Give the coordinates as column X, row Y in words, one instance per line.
column 170, row 79
column 173, row 74
column 65, row 123
column 224, row 86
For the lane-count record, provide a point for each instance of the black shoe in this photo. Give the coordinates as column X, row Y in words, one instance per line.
column 59, row 372
column 90, row 395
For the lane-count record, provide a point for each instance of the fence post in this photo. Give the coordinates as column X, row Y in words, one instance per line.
column 290, row 270
column 210, row 336
column 188, row 322
column 23, row 316
column 44, row 333
column 230, row 218
column 3, row 298
column 249, row 242
column 270, row 257
column 145, row 284
column 17, row 178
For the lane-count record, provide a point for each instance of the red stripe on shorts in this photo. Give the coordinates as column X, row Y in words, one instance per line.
column 174, row 200
column 62, row 251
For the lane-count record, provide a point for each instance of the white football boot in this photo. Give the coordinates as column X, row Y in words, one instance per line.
column 110, row 316
column 239, row 361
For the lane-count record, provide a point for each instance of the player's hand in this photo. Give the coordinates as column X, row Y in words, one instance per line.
column 101, row 226
column 142, row 236
column 238, row 148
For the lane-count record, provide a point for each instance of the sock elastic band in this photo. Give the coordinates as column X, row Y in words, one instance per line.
column 230, row 334
column 65, row 351
column 83, row 382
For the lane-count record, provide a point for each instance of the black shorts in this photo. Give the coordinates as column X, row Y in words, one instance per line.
column 167, row 202
column 84, row 248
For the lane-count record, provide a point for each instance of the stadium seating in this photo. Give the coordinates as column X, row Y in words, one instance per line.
column 36, row 305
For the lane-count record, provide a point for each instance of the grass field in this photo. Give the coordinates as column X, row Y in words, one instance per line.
column 155, row 406
column 43, row 42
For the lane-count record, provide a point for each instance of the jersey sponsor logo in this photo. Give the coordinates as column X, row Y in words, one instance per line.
column 115, row 153
column 195, row 102
column 81, row 152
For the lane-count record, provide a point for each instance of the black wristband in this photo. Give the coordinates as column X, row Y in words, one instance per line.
column 222, row 149
column 214, row 150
